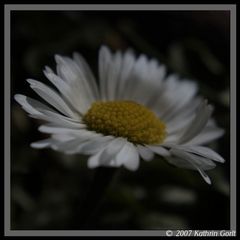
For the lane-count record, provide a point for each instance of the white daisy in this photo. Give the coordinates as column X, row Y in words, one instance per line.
column 135, row 112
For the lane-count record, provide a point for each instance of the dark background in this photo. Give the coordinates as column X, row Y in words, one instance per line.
column 47, row 187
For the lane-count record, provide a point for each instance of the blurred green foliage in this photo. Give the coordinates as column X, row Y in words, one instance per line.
column 47, row 187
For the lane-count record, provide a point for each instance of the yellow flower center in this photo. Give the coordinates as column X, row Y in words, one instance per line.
column 125, row 119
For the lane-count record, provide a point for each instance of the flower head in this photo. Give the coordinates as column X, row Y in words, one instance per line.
column 134, row 112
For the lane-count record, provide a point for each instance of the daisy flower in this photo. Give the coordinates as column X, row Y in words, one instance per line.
column 133, row 112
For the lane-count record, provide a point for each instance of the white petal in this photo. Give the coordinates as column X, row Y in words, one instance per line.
column 204, row 175
column 138, row 88
column 94, row 145
column 145, row 153
column 128, row 61
column 198, row 123
column 165, row 95
column 183, row 117
column 69, row 71
column 113, row 76
column 129, row 156
column 171, row 138
column 111, row 151
column 58, row 119
column 70, row 142
column 69, row 93
column 179, row 127
column 200, row 169
column 207, row 135
column 159, row 150
column 87, row 72
column 76, row 76
column 82, row 134
column 185, row 161
column 40, row 111
column 86, row 134
column 182, row 96
column 60, row 138
column 104, row 63
column 69, row 146
column 42, row 144
column 203, row 151
column 51, row 97
column 155, row 72
column 180, row 163
column 53, row 130
column 201, row 162
column 135, row 91
column 28, row 104
column 93, row 161
column 155, row 77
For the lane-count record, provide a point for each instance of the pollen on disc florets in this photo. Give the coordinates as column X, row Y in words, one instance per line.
column 125, row 119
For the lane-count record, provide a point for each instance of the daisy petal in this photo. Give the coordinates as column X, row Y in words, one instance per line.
column 138, row 89
column 42, row 144
column 68, row 70
column 156, row 72
column 58, row 119
column 87, row 72
column 113, row 76
column 30, row 105
column 180, row 163
column 53, row 130
column 70, row 146
column 127, row 65
column 94, row 145
column 182, row 95
column 77, row 75
column 168, row 86
column 69, row 142
column 203, row 151
column 207, row 135
column 179, row 121
column 50, row 96
column 136, row 78
column 198, row 123
column 111, row 151
column 69, row 93
column 97, row 159
column 93, row 161
column 145, row 153
column 159, row 150
column 129, row 157
column 40, row 111
column 202, row 162
column 104, row 62
column 186, row 163
column 204, row 175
